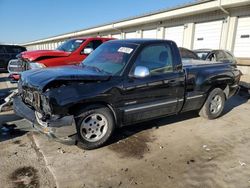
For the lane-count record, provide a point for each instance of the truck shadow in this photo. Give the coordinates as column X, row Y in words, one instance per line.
column 3, row 77
column 132, row 141
column 128, row 131
column 236, row 101
column 4, row 93
column 8, row 130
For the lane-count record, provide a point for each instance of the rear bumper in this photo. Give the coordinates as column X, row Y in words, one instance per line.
column 61, row 130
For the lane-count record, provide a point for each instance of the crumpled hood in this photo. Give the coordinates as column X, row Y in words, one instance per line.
column 33, row 55
column 39, row 78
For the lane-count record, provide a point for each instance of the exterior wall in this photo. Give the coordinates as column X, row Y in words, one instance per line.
column 181, row 18
column 45, row 46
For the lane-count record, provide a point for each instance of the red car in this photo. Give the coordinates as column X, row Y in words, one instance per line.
column 71, row 52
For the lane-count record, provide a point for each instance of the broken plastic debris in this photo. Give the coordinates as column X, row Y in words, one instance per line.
column 206, row 148
column 60, row 150
column 210, row 158
column 242, row 163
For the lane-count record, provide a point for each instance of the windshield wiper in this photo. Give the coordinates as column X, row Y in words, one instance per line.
column 97, row 69
column 61, row 49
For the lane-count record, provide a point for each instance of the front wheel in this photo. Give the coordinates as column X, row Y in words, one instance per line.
column 214, row 104
column 94, row 127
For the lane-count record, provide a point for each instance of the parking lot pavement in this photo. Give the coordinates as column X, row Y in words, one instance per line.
column 176, row 151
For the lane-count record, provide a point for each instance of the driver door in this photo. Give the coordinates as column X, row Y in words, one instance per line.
column 157, row 94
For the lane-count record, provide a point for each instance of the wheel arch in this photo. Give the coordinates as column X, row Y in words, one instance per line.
column 223, row 86
column 80, row 107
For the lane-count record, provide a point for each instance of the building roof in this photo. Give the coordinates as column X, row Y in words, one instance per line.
column 183, row 10
column 134, row 17
column 140, row 41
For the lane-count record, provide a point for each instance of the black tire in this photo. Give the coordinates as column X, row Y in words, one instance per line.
column 103, row 112
column 206, row 111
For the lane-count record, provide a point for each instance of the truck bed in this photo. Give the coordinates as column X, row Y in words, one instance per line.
column 198, row 63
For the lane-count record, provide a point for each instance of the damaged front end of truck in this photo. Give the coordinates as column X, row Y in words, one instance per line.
column 45, row 98
column 34, row 106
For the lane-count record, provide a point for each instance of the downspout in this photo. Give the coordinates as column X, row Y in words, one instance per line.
column 227, row 25
column 113, row 26
column 224, row 10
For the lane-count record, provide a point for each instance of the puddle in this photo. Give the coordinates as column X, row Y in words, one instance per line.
column 25, row 177
column 134, row 146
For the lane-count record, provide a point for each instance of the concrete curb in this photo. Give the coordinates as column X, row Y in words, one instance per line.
column 36, row 142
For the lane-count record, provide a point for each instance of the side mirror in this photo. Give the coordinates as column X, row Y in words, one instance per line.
column 141, row 72
column 88, row 51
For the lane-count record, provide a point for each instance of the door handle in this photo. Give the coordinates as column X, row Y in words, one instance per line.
column 169, row 81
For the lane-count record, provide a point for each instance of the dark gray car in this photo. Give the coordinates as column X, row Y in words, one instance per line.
column 216, row 55
column 8, row 52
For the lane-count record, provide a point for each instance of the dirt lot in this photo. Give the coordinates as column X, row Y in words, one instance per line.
column 178, row 151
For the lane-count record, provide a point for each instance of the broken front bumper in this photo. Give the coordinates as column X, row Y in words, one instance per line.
column 62, row 129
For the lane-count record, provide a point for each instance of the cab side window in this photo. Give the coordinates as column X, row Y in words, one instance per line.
column 157, row 58
column 94, row 44
column 229, row 57
column 211, row 57
column 220, row 56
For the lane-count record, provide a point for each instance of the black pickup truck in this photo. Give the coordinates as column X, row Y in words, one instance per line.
column 121, row 83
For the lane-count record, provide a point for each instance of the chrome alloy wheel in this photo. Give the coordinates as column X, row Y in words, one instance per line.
column 215, row 104
column 94, row 127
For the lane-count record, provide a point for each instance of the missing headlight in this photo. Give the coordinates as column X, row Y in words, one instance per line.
column 45, row 104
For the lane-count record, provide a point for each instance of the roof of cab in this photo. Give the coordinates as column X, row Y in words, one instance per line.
column 85, row 38
column 140, row 41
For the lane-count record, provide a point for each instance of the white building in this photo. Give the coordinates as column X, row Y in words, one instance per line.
column 217, row 24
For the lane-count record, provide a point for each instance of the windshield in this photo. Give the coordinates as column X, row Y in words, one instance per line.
column 70, row 45
column 110, row 58
column 202, row 55
column 187, row 54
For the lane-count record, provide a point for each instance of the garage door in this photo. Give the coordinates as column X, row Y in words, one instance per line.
column 175, row 34
column 149, row 34
column 130, row 35
column 117, row 36
column 207, row 35
column 242, row 40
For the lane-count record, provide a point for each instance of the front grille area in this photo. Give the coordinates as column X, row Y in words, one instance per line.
column 32, row 98
column 16, row 66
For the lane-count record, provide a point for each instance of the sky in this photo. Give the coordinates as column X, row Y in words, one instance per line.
column 27, row 20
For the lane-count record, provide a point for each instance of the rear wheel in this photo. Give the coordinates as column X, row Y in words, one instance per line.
column 94, row 127
column 214, row 104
